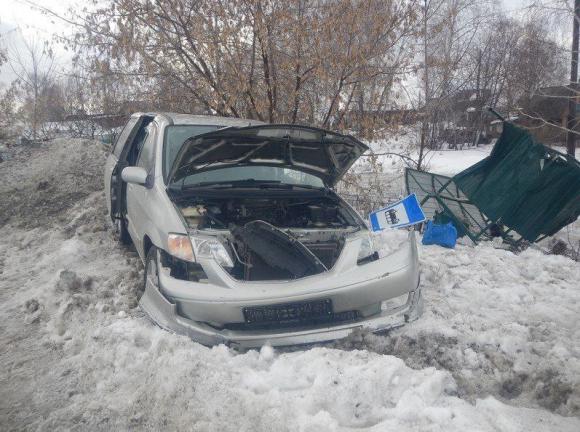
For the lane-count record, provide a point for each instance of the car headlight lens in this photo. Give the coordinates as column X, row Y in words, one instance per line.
column 367, row 248
column 208, row 247
column 179, row 246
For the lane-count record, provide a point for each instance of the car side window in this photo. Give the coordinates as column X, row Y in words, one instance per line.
column 122, row 138
column 146, row 157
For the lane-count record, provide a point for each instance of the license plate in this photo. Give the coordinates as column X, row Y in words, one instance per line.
column 290, row 312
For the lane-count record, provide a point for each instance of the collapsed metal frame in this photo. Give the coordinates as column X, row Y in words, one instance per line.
column 439, row 195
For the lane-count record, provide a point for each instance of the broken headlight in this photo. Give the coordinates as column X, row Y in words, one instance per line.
column 180, row 269
column 367, row 251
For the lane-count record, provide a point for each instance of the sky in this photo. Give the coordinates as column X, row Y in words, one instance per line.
column 19, row 19
column 20, row 13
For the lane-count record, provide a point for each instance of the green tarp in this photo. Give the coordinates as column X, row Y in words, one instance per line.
column 522, row 187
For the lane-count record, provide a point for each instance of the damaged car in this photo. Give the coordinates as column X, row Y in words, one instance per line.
column 243, row 238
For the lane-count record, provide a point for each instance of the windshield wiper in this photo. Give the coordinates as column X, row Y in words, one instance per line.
column 262, row 184
column 250, row 183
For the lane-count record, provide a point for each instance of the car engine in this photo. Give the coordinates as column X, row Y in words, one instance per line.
column 282, row 213
column 275, row 238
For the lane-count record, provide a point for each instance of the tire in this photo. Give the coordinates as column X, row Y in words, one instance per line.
column 121, row 232
column 151, row 269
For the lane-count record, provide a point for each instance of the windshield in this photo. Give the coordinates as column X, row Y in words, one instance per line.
column 254, row 173
column 175, row 136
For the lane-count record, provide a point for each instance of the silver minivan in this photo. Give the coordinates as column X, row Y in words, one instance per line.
column 243, row 238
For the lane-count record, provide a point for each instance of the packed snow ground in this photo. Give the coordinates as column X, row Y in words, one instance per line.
column 498, row 347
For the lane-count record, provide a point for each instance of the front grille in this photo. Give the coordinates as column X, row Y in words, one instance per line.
column 292, row 315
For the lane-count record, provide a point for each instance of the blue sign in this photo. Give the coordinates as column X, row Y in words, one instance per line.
column 398, row 215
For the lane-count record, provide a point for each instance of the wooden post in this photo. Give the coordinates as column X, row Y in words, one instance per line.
column 426, row 116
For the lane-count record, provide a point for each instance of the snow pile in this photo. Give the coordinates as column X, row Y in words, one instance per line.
column 501, row 323
column 497, row 348
column 135, row 376
column 40, row 184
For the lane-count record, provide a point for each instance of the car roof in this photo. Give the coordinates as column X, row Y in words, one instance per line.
column 193, row 119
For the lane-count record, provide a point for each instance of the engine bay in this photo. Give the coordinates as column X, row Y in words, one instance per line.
column 274, row 238
column 318, row 212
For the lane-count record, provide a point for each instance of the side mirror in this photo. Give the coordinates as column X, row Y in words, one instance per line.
column 135, row 175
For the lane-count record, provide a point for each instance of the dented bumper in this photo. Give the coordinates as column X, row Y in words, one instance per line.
column 213, row 313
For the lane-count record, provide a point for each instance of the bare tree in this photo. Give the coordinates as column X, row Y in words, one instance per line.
column 449, row 29
column 295, row 61
column 471, row 59
column 34, row 67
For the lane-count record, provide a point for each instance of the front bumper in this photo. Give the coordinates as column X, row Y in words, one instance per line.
column 202, row 310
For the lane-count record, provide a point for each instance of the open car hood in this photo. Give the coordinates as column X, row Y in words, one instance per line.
column 325, row 154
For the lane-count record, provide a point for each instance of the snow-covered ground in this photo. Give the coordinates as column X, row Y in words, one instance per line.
column 498, row 347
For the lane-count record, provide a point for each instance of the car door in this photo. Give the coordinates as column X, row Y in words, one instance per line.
column 139, row 197
column 127, row 157
column 112, row 171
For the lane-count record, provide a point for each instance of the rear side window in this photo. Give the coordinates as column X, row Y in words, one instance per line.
column 122, row 138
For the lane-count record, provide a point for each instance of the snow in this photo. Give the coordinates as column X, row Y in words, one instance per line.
column 450, row 162
column 445, row 162
column 498, row 347
column 504, row 324
column 384, row 177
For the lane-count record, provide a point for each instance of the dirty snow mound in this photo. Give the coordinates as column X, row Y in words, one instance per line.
column 40, row 184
